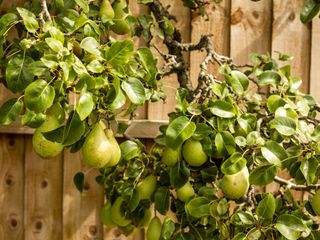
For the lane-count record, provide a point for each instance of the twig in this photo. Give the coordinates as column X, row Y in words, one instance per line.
column 44, row 11
column 291, row 185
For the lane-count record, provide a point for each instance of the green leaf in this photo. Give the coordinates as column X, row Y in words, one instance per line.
column 134, row 200
column 309, row 167
column 78, row 66
column 29, row 20
column 54, row 44
column 290, row 226
column 246, row 217
column 90, row 45
column 6, row 22
column 95, row 66
column 284, row 125
column 233, row 164
column 266, row 207
column 32, row 119
column 168, row 229
column 263, row 175
column 134, row 90
column 198, row 207
column 120, row 98
column 309, row 10
column 225, row 143
column 269, row 78
column 17, row 72
column 274, row 102
column 119, row 53
column 74, row 129
column 78, row 181
column 179, row 130
column 129, row 150
column 83, row 4
column 179, row 174
column 56, row 34
column 274, row 153
column 162, row 200
column 202, row 131
column 238, row 81
column 85, row 105
column 222, row 109
column 39, row 96
column 149, row 63
column 10, row 110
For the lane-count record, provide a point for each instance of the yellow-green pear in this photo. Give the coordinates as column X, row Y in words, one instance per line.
column 97, row 149
column 154, row 229
column 42, row 146
column 147, row 186
column 120, row 25
column 185, row 192
column 116, row 151
column 106, row 10
column 193, row 153
column 106, row 217
column 171, row 156
column 315, row 203
column 236, row 185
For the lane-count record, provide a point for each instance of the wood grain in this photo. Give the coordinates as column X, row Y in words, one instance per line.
column 159, row 110
column 81, row 212
column 43, row 194
column 292, row 37
column 315, row 60
column 218, row 24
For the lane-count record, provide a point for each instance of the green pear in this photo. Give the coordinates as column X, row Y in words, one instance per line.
column 106, row 217
column 117, row 214
column 97, row 149
column 236, row 185
column 42, row 146
column 106, row 11
column 116, row 151
column 154, row 229
column 185, row 192
column 120, row 25
column 193, row 153
column 147, row 186
column 171, row 156
column 315, row 203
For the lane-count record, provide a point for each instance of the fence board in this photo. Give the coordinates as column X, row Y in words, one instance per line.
column 315, row 60
column 160, row 110
column 81, row 212
column 292, row 37
column 216, row 24
column 43, row 194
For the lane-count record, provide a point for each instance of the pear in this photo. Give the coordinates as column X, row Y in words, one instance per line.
column 106, row 11
column 154, row 229
column 171, row 156
column 193, row 153
column 120, row 25
column 97, row 149
column 236, row 185
column 42, row 146
column 106, row 217
column 118, row 216
column 116, row 151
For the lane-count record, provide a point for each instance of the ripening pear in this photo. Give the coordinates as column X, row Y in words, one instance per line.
column 106, row 217
column 315, row 203
column 116, row 151
column 117, row 214
column 193, row 153
column 154, row 229
column 97, row 148
column 106, row 11
column 171, row 156
column 185, row 192
column 42, row 146
column 120, row 25
column 147, row 186
column 236, row 185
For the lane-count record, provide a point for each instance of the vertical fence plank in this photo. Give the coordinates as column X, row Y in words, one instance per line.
column 158, row 111
column 43, row 194
column 315, row 60
column 81, row 212
column 11, row 186
column 218, row 24
column 292, row 37
column 250, row 29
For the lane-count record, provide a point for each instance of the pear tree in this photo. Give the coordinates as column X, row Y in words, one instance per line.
column 73, row 75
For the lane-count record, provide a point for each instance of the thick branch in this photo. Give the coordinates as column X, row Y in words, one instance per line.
column 291, row 185
column 45, row 10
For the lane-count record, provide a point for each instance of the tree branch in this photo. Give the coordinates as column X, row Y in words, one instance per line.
column 291, row 185
column 44, row 11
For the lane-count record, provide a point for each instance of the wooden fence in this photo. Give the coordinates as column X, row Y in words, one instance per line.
column 38, row 200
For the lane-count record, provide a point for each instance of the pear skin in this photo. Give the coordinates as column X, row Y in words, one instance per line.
column 106, row 11
column 116, row 151
column 97, row 149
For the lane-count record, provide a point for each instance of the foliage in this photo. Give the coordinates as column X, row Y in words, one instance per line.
column 66, row 56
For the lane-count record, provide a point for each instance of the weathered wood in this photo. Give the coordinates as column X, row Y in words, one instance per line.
column 218, row 24
column 137, row 129
column 43, row 194
column 250, row 29
column 315, row 60
column 170, row 83
column 81, row 212
column 11, row 186
column 292, row 37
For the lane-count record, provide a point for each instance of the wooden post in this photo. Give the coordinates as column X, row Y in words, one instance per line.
column 315, row 60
